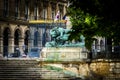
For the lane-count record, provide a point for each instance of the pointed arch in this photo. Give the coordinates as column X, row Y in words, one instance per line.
column 17, row 36
column 96, row 44
column 26, row 37
column 6, row 34
column 45, row 37
column 26, row 40
column 101, row 45
column 36, row 38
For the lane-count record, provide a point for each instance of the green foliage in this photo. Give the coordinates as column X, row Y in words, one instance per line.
column 83, row 24
column 95, row 18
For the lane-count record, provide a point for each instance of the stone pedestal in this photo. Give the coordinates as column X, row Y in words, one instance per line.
column 63, row 53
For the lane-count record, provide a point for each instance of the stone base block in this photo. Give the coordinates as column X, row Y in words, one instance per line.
column 63, row 53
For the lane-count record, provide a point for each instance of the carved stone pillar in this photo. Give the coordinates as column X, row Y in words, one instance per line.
column 49, row 11
column 61, row 10
column 53, row 9
column 1, row 46
column 1, row 41
column 21, row 43
column 11, row 45
column 30, row 42
column 57, row 8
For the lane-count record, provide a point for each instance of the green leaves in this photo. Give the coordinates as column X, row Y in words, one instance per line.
column 83, row 23
column 95, row 18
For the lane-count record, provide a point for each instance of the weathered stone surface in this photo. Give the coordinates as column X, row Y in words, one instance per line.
column 117, row 65
column 67, row 53
column 95, row 70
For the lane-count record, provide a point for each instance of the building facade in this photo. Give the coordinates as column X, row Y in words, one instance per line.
column 16, row 31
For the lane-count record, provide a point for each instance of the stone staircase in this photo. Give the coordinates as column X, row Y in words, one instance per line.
column 27, row 69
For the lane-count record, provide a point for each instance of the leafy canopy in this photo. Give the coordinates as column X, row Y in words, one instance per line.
column 95, row 18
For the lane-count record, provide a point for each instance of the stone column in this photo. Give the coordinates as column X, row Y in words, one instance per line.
column 1, row 46
column 11, row 45
column 64, row 9
column 98, row 45
column 21, row 43
column 57, row 8
column 1, row 41
column 49, row 11
column 31, row 38
column 30, row 43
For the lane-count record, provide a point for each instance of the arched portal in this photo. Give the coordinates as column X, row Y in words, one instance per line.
column 45, row 37
column 17, row 35
column 26, row 38
column 102, row 45
column 6, row 34
column 96, row 44
column 36, row 38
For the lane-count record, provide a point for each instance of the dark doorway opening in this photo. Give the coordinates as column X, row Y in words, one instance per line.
column 26, row 41
column 5, row 42
column 16, row 37
column 16, row 43
column 36, row 38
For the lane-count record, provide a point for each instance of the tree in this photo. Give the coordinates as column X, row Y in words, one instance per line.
column 95, row 18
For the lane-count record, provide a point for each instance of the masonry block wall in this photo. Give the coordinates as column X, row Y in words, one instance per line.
column 105, row 69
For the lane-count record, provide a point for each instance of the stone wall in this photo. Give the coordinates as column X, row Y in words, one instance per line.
column 100, row 70
column 92, row 70
column 74, row 60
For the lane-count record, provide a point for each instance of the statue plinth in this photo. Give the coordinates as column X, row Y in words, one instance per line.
column 60, row 48
column 63, row 53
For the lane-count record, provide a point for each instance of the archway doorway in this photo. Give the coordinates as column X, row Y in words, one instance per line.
column 16, row 38
column 45, row 37
column 102, row 45
column 26, row 39
column 6, row 34
column 36, row 38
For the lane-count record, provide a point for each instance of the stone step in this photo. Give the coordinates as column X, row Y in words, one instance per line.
column 111, row 78
column 36, row 79
column 18, row 62
column 15, row 64
column 20, row 79
column 27, row 70
column 18, row 68
column 29, row 73
column 20, row 75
